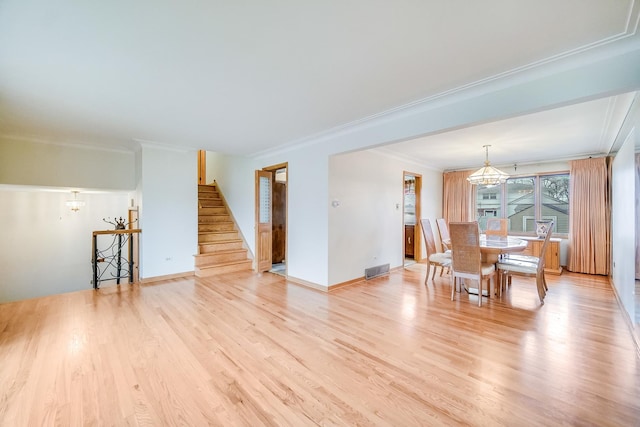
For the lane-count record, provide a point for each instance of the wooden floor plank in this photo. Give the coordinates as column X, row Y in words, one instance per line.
column 247, row 349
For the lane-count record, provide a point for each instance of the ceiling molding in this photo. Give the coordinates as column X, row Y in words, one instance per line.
column 145, row 143
column 80, row 145
column 586, row 54
column 382, row 151
column 618, row 111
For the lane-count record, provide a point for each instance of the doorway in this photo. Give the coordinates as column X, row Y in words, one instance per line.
column 272, row 247
column 411, row 188
column 202, row 167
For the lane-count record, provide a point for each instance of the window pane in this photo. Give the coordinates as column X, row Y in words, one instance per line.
column 521, row 208
column 487, row 204
column 555, row 201
column 265, row 200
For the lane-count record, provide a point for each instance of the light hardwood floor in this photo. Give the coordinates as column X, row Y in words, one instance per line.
column 251, row 350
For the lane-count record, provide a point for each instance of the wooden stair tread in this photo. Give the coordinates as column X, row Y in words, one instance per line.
column 221, row 241
column 221, row 252
column 221, row 223
column 224, row 264
column 220, row 246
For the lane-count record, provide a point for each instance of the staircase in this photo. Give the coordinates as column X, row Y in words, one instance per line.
column 219, row 244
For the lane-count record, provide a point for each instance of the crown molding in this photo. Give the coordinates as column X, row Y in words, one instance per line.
column 619, row 44
column 70, row 144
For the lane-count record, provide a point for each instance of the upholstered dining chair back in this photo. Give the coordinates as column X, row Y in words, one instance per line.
column 497, row 227
column 429, row 240
column 465, row 242
column 543, row 249
column 528, row 266
column 434, row 258
column 466, row 257
column 443, row 230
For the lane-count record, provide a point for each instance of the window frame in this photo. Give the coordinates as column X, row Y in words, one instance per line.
column 537, row 194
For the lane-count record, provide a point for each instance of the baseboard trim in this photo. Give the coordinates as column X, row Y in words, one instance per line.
column 630, row 323
column 337, row 286
column 154, row 279
column 306, row 284
column 347, row 283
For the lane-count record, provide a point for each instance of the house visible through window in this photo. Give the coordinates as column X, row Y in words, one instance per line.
column 523, row 200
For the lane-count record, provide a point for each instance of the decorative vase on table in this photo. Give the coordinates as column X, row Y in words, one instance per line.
column 542, row 228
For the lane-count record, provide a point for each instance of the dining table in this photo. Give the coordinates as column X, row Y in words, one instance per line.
column 491, row 247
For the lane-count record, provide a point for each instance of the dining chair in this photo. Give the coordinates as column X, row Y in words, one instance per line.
column 526, row 265
column 434, row 258
column 443, row 231
column 466, row 258
column 497, row 227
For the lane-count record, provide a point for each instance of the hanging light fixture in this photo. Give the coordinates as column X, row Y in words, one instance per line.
column 75, row 204
column 487, row 175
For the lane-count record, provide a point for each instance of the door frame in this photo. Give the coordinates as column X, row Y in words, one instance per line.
column 202, row 167
column 273, row 169
column 417, row 233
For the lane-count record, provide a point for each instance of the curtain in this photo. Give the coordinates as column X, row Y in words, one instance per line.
column 589, row 216
column 637, row 195
column 458, row 201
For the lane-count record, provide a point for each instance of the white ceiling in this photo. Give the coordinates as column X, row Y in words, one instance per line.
column 247, row 76
column 574, row 131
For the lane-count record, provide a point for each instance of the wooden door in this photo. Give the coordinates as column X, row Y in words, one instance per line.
column 264, row 196
column 279, row 221
column 202, row 167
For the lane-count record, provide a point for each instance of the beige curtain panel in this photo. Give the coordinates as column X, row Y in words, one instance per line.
column 458, row 204
column 589, row 248
column 637, row 217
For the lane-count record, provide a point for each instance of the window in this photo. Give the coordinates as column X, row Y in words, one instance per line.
column 521, row 203
column 523, row 200
column 555, row 201
column 487, row 204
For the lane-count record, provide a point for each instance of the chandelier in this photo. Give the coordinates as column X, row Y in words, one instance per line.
column 487, row 175
column 75, row 204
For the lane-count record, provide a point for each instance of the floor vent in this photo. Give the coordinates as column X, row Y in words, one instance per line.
column 371, row 272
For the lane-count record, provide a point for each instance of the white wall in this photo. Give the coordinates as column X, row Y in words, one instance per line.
column 366, row 229
column 307, row 254
column 168, row 213
column 45, row 247
column 33, row 163
column 308, row 211
column 235, row 178
column 624, row 219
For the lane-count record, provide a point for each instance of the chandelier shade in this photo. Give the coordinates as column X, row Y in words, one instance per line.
column 487, row 175
column 75, row 204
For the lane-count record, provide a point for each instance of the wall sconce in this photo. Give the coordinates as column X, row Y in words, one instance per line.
column 75, row 204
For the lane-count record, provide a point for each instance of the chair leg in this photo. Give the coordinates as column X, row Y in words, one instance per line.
column 540, row 286
column 453, row 286
column 433, row 275
column 426, row 278
column 504, row 278
column 480, row 292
